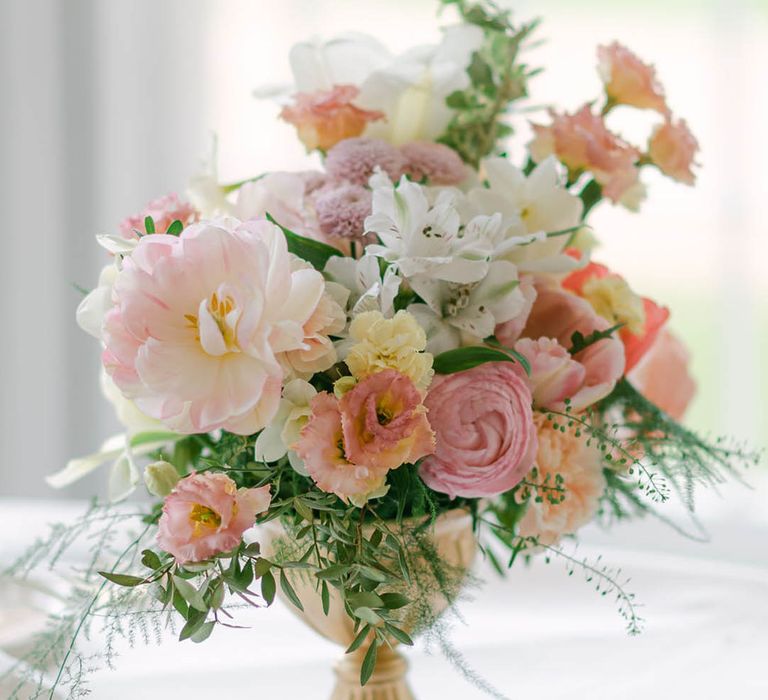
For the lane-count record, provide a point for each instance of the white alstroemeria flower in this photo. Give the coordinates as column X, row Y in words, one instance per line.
column 453, row 313
column 92, row 309
column 427, row 241
column 410, row 89
column 368, row 290
column 532, row 205
column 277, row 439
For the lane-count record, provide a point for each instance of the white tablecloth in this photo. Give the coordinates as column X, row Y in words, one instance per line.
column 538, row 634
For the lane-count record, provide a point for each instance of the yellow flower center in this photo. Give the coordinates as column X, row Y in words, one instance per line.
column 224, row 315
column 204, row 519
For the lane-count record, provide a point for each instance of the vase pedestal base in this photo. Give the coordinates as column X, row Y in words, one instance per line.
column 387, row 682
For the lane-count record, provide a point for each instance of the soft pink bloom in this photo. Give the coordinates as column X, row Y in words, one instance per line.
column 582, row 142
column 580, row 465
column 486, row 438
column 558, row 314
column 435, row 162
column 555, row 375
column 662, row 376
column 325, row 117
column 342, row 210
column 672, row 147
column 164, row 211
column 629, row 81
column 508, row 332
column 206, row 514
column 355, row 160
column 201, row 321
column 321, row 447
column 384, row 422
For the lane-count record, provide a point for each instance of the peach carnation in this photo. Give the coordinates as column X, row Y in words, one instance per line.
column 325, row 117
column 164, row 211
column 580, row 465
column 672, row 148
column 206, row 514
column 629, row 81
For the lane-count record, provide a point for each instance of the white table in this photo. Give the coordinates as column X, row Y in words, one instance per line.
column 539, row 634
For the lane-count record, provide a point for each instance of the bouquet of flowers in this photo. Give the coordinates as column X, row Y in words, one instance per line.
column 348, row 356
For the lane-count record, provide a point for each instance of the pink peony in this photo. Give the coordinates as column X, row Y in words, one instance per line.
column 486, row 439
column 672, row 147
column 629, row 81
column 582, row 142
column 342, row 210
column 164, row 211
column 206, row 514
column 662, row 375
column 201, row 322
column 384, row 422
column 580, row 465
column 555, row 375
column 355, row 160
column 324, row 118
column 558, row 314
column 435, row 162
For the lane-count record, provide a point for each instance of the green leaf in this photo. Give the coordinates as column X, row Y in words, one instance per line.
column 175, row 228
column 373, row 574
column 359, row 639
column 457, row 100
column 367, row 599
column 194, row 623
column 369, row 662
column 123, row 579
column 367, row 615
column 252, row 550
column 153, row 436
column 190, row 594
column 149, row 224
column 303, row 509
column 462, row 359
column 217, row 595
column 244, row 577
column 394, row 601
column 579, row 342
column 285, row 584
column 480, row 73
column 268, row 587
column 150, row 559
column 325, row 597
column 202, row 633
column 335, row 571
column 261, row 567
column 400, row 635
column 315, row 253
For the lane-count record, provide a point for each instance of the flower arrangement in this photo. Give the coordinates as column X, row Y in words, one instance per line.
column 417, row 327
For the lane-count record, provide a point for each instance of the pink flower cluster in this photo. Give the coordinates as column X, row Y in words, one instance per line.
column 163, row 211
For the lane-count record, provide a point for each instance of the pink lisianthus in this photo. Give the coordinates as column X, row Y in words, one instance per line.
column 384, row 422
column 325, row 117
column 164, row 211
column 580, row 466
column 206, row 514
column 582, row 142
column 201, row 323
column 663, row 376
column 629, row 81
column 555, row 375
column 672, row 148
column 486, row 438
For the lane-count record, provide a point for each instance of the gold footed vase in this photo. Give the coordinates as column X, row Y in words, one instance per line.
column 454, row 541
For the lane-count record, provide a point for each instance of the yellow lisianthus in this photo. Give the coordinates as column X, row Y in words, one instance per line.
column 389, row 343
column 614, row 300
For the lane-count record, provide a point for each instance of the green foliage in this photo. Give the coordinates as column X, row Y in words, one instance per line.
column 461, row 359
column 314, row 252
column 579, row 342
column 497, row 79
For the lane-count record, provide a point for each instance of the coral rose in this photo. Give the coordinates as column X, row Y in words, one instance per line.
column 207, row 514
column 662, row 375
column 202, row 321
column 324, row 118
column 672, row 148
column 580, row 466
column 486, row 439
column 629, row 81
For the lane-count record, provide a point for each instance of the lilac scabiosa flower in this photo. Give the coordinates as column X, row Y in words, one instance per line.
column 356, row 159
column 342, row 210
column 438, row 163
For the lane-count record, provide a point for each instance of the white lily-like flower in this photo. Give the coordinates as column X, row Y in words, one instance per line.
column 368, row 289
column 204, row 190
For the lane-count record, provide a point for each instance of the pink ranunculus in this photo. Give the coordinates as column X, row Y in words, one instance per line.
column 325, row 117
column 507, row 333
column 384, row 422
column 321, row 447
column 164, row 211
column 486, row 438
column 558, row 314
column 201, row 321
column 583, row 142
column 672, row 148
column 629, row 81
column 662, row 376
column 206, row 514
column 555, row 375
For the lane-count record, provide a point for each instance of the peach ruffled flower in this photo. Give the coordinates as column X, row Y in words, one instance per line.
column 672, row 148
column 325, row 117
column 663, row 376
column 629, row 81
column 582, row 142
column 580, row 465
column 202, row 321
column 206, row 514
column 486, row 439
column 384, row 422
column 164, row 211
